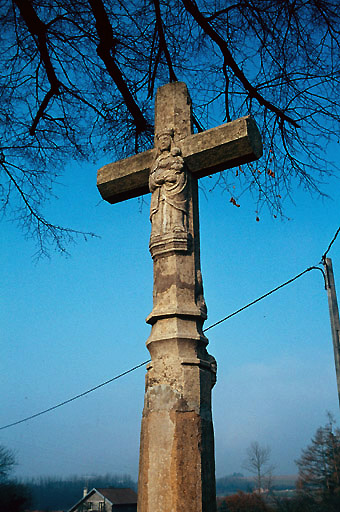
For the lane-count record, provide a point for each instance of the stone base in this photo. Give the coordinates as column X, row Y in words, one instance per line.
column 175, row 476
column 177, row 469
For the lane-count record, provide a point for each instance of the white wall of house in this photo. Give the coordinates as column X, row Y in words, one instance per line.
column 94, row 503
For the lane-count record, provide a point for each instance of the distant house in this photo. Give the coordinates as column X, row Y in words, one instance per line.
column 107, row 500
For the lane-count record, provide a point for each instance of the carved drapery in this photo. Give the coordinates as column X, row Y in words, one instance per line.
column 168, row 183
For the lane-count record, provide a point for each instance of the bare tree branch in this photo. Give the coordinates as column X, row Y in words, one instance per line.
column 162, row 42
column 38, row 31
column 80, row 77
column 106, row 50
column 230, row 61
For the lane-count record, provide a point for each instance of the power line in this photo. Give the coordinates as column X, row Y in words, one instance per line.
column 75, row 397
column 330, row 245
column 280, row 286
column 264, row 296
column 145, row 362
column 204, row 330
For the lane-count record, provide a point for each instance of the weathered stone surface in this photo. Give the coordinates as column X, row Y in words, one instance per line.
column 126, row 178
column 169, row 182
column 223, row 147
column 177, row 443
column 226, row 146
column 177, row 468
column 173, row 110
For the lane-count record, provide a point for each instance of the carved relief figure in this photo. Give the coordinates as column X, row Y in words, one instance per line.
column 168, row 184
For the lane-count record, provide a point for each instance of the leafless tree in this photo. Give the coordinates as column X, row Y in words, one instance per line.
column 7, row 461
column 319, row 468
column 78, row 78
column 258, row 464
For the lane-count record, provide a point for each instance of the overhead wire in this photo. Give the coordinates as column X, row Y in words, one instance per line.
column 204, row 330
column 264, row 296
column 74, row 397
column 330, row 245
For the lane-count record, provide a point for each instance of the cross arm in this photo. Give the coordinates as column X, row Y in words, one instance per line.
column 228, row 145
column 126, row 178
column 231, row 144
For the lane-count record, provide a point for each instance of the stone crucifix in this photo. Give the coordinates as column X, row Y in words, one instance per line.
column 177, row 465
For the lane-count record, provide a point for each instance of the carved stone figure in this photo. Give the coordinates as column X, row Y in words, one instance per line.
column 168, row 184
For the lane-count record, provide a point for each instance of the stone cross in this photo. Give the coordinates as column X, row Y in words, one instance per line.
column 177, row 466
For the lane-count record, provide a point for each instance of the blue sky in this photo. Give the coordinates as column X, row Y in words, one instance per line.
column 68, row 324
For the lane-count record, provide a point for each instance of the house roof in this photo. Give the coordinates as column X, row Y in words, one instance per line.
column 123, row 496
column 119, row 496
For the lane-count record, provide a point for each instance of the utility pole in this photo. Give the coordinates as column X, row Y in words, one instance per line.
column 334, row 316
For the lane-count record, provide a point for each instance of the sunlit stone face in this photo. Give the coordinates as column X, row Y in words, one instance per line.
column 164, row 142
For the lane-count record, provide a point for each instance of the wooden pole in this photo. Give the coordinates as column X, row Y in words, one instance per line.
column 334, row 317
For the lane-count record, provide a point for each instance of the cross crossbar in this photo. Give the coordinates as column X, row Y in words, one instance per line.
column 229, row 145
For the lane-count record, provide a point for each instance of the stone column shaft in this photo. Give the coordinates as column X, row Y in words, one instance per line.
column 177, row 470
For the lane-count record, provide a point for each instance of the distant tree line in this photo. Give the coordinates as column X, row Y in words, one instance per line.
column 55, row 493
column 51, row 493
column 231, row 484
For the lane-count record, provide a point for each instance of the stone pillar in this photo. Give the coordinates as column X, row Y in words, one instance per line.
column 177, row 468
